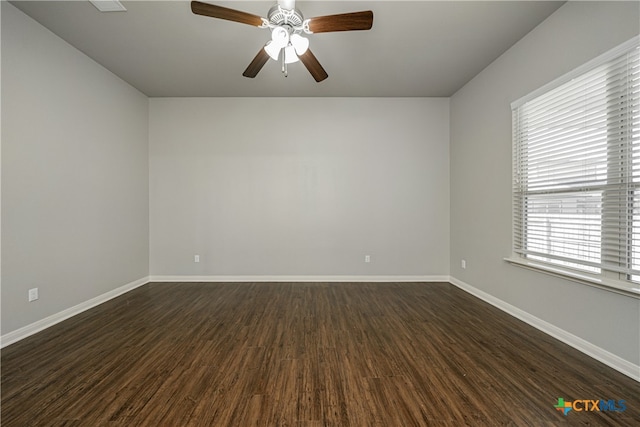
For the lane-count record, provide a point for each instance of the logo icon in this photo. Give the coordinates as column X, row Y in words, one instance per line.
column 563, row 406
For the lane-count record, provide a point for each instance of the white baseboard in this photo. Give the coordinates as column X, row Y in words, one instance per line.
column 592, row 350
column 49, row 321
column 231, row 279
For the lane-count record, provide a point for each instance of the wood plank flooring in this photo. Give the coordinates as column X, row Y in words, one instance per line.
column 302, row 354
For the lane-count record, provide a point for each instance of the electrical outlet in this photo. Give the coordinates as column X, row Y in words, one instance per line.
column 196, row 258
column 463, row 263
column 33, row 294
column 367, row 258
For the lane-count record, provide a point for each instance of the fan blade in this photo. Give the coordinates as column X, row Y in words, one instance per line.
column 206, row 9
column 343, row 22
column 309, row 60
column 256, row 65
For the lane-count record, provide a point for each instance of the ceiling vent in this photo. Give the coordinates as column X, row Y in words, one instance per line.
column 108, row 5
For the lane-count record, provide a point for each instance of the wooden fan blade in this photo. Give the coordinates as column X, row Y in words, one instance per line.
column 206, row 9
column 309, row 60
column 343, row 22
column 256, row 65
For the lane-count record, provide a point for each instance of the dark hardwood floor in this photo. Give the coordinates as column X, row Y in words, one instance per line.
column 302, row 354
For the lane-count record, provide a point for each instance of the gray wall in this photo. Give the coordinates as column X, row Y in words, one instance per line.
column 74, row 175
column 299, row 187
column 481, row 176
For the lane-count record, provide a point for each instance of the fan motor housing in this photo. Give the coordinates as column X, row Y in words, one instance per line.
column 281, row 17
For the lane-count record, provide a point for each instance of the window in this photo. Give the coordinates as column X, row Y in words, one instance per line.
column 576, row 172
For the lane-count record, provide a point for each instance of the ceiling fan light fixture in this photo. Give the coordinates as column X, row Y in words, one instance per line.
column 301, row 44
column 290, row 55
column 273, row 49
column 280, row 37
column 286, row 24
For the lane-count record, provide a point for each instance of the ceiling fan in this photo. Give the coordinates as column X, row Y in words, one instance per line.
column 287, row 24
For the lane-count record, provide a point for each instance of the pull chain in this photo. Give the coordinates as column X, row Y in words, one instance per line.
column 284, row 66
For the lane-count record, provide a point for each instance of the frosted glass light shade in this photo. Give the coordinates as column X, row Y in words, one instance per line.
column 280, row 37
column 290, row 55
column 301, row 44
column 273, row 50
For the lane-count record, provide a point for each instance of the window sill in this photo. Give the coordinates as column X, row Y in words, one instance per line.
column 608, row 284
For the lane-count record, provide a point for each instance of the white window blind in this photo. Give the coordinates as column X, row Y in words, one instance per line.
column 576, row 171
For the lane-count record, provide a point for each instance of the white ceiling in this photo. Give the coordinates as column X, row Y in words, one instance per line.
column 415, row 48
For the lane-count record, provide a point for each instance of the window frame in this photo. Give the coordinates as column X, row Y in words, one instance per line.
column 607, row 279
